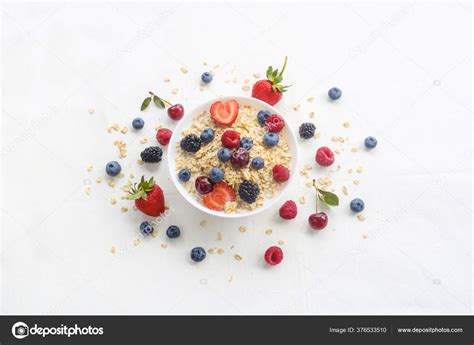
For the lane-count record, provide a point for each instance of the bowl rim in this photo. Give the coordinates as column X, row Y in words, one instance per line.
column 190, row 197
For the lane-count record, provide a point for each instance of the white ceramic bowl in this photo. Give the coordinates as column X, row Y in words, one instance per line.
column 186, row 121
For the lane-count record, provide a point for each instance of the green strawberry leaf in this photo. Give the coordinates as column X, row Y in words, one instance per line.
column 157, row 100
column 328, row 198
column 145, row 104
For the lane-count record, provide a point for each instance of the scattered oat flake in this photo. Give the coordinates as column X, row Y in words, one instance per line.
column 237, row 257
column 361, row 217
column 296, row 107
column 124, row 130
column 346, row 124
column 354, row 149
column 203, row 222
column 365, row 235
column 136, row 241
column 360, row 169
column 349, row 171
column 356, row 182
column 174, row 91
column 154, row 233
column 111, row 183
column 98, row 179
column 308, row 166
column 164, row 245
column 113, row 201
column 89, row 168
column 269, row 231
column 317, row 135
column 344, row 190
column 124, row 209
column 242, row 228
column 91, row 111
column 184, row 70
column 220, row 251
column 257, row 75
column 121, row 174
column 210, row 250
column 140, row 162
column 302, row 200
column 311, row 114
column 113, row 250
column 310, row 99
column 280, row 242
column 166, row 79
column 219, row 236
column 88, row 190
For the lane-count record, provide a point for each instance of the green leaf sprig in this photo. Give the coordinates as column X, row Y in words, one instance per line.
column 276, row 77
column 140, row 191
column 158, row 101
column 326, row 197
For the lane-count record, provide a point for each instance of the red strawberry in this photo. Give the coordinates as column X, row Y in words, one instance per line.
column 221, row 194
column 163, row 136
column 230, row 139
column 225, row 113
column 148, row 197
column 269, row 90
column 275, row 123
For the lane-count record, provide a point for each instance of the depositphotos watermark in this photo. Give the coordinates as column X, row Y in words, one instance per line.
column 21, row 330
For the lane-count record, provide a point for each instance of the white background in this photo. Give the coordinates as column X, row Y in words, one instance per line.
column 405, row 74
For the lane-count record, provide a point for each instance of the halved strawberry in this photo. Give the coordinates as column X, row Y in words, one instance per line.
column 225, row 113
column 221, row 194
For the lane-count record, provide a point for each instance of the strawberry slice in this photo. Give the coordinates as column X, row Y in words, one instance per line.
column 221, row 194
column 225, row 113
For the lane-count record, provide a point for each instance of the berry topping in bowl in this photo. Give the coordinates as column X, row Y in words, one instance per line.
column 225, row 113
column 275, row 123
column 191, row 143
column 204, row 185
column 230, row 139
column 240, row 158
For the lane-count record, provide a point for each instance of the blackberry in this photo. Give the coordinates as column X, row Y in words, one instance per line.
column 248, row 191
column 307, row 130
column 191, row 143
column 152, row 154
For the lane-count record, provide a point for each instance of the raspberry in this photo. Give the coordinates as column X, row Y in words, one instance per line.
column 275, row 123
column 288, row 210
column 280, row 173
column 163, row 136
column 273, row 255
column 230, row 139
column 324, row 156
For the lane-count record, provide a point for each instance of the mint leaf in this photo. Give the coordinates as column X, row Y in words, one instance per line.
column 157, row 100
column 328, row 198
column 146, row 103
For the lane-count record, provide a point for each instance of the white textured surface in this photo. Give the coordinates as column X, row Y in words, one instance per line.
column 405, row 74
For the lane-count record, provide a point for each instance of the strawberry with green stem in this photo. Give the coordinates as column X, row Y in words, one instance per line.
column 175, row 111
column 149, row 197
column 270, row 90
column 319, row 220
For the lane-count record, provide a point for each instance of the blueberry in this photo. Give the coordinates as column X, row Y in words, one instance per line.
column 370, row 142
column 173, row 231
column 113, row 168
column 138, row 123
column 357, row 205
column 206, row 77
column 262, row 116
column 207, row 135
column 271, row 139
column 257, row 163
column 335, row 93
column 184, row 175
column 246, row 143
column 198, row 254
column 146, row 228
column 216, row 175
column 224, row 154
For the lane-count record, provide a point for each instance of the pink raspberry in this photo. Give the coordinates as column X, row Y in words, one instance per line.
column 288, row 210
column 163, row 136
column 280, row 173
column 275, row 123
column 324, row 156
column 273, row 255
